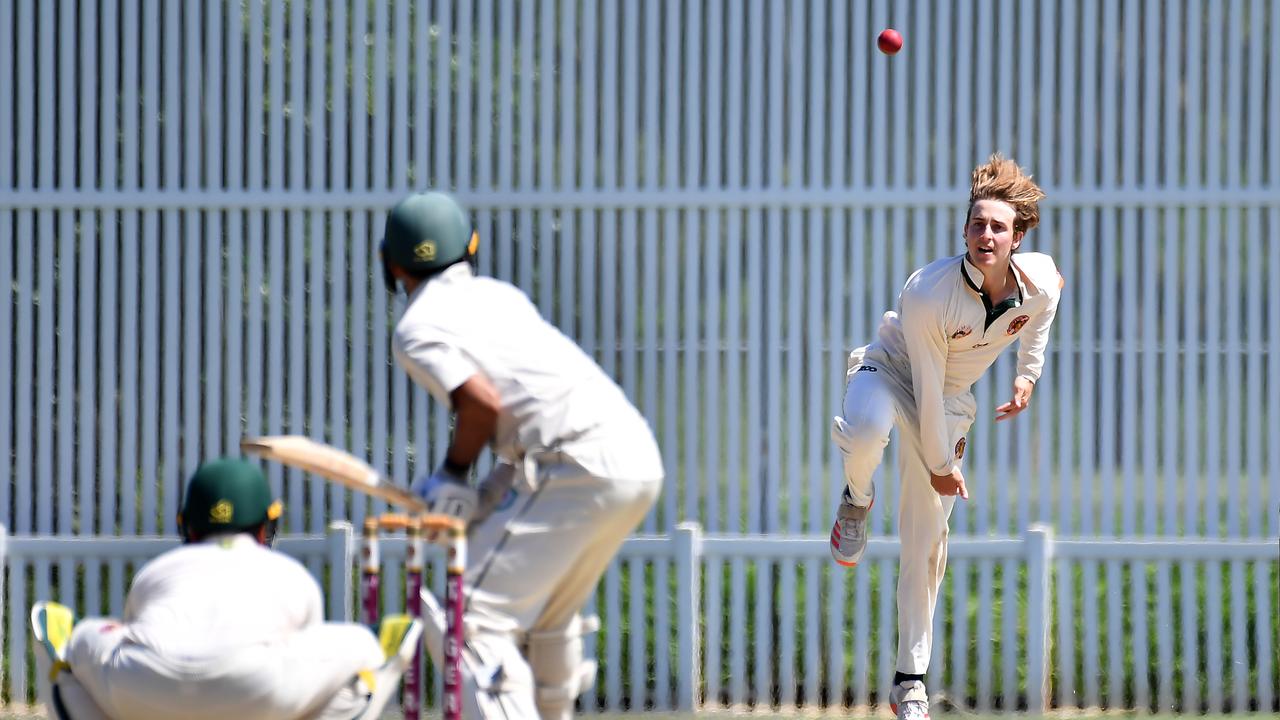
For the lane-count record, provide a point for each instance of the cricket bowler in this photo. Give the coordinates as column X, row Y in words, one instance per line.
column 578, row 465
column 221, row 627
column 954, row 317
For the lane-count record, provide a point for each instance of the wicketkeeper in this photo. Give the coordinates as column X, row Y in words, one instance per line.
column 578, row 471
column 221, row 627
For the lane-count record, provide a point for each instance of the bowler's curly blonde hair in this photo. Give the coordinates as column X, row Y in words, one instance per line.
column 1001, row 179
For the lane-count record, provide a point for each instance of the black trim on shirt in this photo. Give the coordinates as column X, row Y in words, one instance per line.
column 993, row 311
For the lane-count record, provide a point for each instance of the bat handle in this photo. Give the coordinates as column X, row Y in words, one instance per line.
column 453, row 637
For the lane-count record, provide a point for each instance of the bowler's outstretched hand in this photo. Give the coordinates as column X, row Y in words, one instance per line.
column 1022, row 389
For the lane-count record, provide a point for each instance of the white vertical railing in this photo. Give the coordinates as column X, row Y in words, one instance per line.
column 692, row 554
column 7, row 153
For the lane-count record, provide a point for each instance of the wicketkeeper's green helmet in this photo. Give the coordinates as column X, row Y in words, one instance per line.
column 227, row 495
column 426, row 232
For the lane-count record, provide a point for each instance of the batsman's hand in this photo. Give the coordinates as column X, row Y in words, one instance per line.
column 1022, row 389
column 447, row 494
column 494, row 490
column 949, row 484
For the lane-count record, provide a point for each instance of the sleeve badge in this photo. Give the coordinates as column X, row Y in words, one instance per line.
column 1017, row 324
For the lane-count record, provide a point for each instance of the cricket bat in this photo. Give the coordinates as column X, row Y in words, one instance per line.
column 332, row 464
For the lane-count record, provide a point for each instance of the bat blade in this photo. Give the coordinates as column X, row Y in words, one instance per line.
column 332, row 464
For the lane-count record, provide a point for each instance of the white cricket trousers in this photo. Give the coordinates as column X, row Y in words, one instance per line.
column 875, row 400
column 531, row 566
column 307, row 674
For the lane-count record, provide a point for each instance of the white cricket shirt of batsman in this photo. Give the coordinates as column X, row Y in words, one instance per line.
column 553, row 396
column 942, row 338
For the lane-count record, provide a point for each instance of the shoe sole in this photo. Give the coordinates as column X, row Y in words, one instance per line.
column 893, row 708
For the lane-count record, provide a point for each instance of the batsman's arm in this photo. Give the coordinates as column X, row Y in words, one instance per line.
column 434, row 365
column 433, row 361
column 476, row 406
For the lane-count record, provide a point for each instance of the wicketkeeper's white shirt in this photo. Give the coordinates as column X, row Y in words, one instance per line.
column 554, row 397
column 207, row 599
column 941, row 341
column 224, row 628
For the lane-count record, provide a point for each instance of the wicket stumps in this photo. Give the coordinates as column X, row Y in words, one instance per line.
column 439, row 529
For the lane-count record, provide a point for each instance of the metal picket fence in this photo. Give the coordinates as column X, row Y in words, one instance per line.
column 823, row 638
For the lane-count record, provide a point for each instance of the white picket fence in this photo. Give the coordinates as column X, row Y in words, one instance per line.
column 697, row 633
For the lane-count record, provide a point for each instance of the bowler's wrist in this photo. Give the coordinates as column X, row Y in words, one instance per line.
column 946, row 471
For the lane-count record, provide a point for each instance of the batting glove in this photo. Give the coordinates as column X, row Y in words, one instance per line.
column 447, row 494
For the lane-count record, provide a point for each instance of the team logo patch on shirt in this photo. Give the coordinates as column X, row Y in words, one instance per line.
column 1017, row 324
column 960, row 449
column 962, row 332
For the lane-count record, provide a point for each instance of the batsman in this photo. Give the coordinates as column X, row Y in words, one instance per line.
column 578, row 465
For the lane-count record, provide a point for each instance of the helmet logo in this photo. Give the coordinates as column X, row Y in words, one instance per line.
column 425, row 251
column 221, row 512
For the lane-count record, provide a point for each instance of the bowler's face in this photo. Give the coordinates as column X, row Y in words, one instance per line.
column 989, row 237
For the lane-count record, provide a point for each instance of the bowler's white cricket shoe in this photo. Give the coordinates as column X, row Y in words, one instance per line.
column 909, row 701
column 849, row 533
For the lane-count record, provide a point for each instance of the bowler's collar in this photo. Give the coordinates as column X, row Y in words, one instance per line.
column 974, row 278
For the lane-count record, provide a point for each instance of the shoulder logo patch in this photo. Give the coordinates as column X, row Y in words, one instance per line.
column 960, row 449
column 1017, row 324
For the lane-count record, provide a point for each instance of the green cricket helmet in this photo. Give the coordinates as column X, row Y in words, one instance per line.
column 426, row 232
column 228, row 495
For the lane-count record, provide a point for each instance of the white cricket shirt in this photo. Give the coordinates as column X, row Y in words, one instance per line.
column 553, row 395
column 942, row 341
column 199, row 601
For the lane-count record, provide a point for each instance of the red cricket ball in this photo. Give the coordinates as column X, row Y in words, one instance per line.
column 890, row 41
